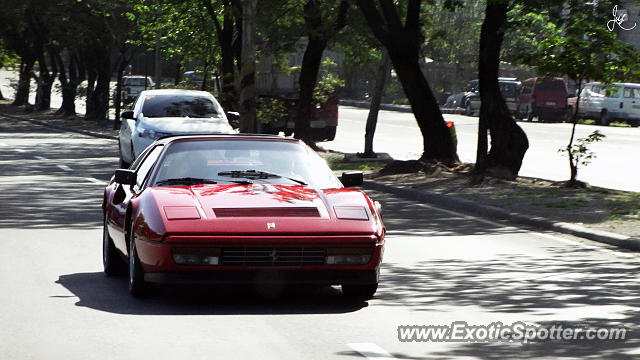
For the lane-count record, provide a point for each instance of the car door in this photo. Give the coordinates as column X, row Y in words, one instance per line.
column 630, row 101
column 122, row 195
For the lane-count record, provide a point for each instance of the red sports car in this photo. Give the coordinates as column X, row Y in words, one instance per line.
column 240, row 209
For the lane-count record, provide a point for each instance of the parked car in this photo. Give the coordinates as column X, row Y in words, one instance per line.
column 323, row 122
column 509, row 88
column 544, row 98
column 159, row 113
column 240, row 209
column 133, row 85
column 606, row 103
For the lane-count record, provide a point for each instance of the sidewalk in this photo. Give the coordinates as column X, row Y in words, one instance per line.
column 598, row 214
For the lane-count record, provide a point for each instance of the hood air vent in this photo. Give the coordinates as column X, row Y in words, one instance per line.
column 267, row 212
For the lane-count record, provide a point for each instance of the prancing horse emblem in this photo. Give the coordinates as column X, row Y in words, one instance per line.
column 271, row 225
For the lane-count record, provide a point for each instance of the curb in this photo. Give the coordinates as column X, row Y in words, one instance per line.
column 492, row 212
column 62, row 128
column 391, row 107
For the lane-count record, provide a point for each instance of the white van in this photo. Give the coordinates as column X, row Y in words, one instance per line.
column 606, row 103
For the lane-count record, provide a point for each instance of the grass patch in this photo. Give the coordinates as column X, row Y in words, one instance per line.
column 619, row 124
column 586, row 121
column 338, row 163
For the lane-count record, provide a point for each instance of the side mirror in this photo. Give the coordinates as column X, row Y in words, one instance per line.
column 351, row 178
column 125, row 177
column 127, row 115
column 233, row 115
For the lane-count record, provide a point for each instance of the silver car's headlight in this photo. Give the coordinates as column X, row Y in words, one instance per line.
column 151, row 134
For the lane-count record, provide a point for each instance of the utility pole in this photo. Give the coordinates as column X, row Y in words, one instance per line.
column 247, row 75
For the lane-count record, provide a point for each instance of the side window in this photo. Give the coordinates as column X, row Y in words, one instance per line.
column 146, row 165
column 612, row 91
column 632, row 92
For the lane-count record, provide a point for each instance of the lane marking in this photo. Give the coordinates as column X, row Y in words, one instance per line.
column 20, row 150
column 41, row 158
column 96, row 181
column 371, row 351
column 539, row 234
column 64, row 167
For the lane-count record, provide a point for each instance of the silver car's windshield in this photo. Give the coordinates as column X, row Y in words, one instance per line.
column 180, row 106
column 243, row 161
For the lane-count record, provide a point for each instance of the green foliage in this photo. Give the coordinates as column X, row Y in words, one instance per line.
column 270, row 110
column 580, row 150
column 329, row 82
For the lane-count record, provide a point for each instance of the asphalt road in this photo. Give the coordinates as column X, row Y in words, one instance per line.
column 616, row 166
column 439, row 267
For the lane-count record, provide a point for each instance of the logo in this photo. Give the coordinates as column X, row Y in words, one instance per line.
column 618, row 20
column 271, row 225
column 273, row 255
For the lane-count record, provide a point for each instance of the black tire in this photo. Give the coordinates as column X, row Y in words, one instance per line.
column 604, row 118
column 123, row 164
column 569, row 114
column 468, row 110
column 137, row 286
column 360, row 291
column 330, row 133
column 529, row 114
column 111, row 261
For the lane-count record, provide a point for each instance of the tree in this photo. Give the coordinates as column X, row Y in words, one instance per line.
column 19, row 37
column 384, row 70
column 508, row 141
column 403, row 42
column 320, row 28
column 581, row 47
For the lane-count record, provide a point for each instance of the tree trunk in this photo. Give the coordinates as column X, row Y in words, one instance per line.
column 508, row 141
column 24, row 81
column 384, row 69
column 45, row 81
column 70, row 84
column 403, row 43
column 247, row 78
column 122, row 64
column 98, row 103
column 308, row 76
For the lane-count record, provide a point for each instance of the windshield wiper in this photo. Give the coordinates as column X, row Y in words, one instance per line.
column 186, row 181
column 256, row 174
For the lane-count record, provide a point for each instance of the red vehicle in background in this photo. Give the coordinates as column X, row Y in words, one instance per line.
column 544, row 98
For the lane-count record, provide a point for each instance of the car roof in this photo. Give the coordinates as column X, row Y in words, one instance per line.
column 615, row 83
column 243, row 136
column 176, row 92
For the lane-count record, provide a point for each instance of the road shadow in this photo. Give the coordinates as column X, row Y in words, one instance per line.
column 99, row 292
column 405, row 218
column 38, row 193
column 586, row 291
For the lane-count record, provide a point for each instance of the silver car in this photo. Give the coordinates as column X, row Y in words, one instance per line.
column 165, row 112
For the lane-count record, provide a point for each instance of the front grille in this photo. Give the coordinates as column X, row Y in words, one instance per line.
column 272, row 256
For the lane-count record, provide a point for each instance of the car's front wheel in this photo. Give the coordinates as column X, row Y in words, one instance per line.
column 137, row 286
column 360, row 291
column 111, row 262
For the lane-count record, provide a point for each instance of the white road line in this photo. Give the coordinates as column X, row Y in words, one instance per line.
column 64, row 167
column 96, row 181
column 371, row 351
column 41, row 158
column 547, row 236
column 20, row 150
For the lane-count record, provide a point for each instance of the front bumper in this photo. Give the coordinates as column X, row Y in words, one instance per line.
column 265, row 276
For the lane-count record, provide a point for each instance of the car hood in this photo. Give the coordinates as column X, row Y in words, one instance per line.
column 263, row 209
column 185, row 125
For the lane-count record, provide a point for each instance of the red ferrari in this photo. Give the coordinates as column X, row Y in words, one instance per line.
column 240, row 209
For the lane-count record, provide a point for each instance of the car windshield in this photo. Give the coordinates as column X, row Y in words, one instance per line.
column 134, row 82
column 236, row 161
column 180, row 106
column 551, row 85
